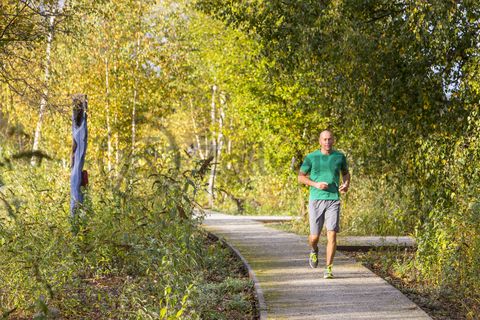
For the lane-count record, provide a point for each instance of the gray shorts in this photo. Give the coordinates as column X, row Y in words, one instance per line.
column 320, row 211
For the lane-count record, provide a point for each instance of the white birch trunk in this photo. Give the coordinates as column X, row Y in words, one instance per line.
column 134, row 110
column 207, row 147
column 211, row 180
column 117, row 149
column 197, row 138
column 221, row 120
column 44, row 97
column 115, row 116
column 135, row 94
column 135, row 76
column 229, row 146
column 115, row 120
column 109, row 129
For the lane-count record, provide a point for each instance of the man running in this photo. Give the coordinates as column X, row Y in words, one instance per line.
column 321, row 171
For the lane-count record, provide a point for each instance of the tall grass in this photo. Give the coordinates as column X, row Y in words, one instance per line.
column 136, row 251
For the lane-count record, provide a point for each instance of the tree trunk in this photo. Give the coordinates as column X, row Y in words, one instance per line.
column 207, row 147
column 230, row 146
column 44, row 97
column 134, row 106
column 135, row 89
column 211, row 180
column 221, row 120
column 109, row 129
column 217, row 140
column 197, row 138
column 115, row 118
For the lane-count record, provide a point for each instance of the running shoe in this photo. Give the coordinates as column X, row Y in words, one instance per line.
column 327, row 274
column 313, row 258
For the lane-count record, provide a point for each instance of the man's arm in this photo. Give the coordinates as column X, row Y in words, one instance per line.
column 346, row 182
column 303, row 178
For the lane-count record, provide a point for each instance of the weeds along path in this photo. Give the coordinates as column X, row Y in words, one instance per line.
column 292, row 290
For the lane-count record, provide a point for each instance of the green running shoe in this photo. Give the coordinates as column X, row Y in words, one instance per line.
column 327, row 274
column 313, row 259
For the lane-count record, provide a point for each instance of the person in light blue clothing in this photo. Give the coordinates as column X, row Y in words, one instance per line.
column 321, row 171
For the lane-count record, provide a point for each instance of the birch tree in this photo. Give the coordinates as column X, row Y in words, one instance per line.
column 107, row 105
column 214, row 146
column 50, row 12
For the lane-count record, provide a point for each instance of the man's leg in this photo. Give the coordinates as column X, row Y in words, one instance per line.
column 331, row 246
column 332, row 221
column 313, row 256
column 316, row 219
column 313, row 241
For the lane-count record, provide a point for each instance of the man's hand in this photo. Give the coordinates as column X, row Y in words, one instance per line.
column 343, row 188
column 346, row 182
column 305, row 179
column 321, row 185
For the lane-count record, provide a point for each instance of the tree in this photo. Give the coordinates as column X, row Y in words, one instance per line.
column 388, row 77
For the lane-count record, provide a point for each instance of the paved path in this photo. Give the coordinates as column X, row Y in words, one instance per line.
column 294, row 291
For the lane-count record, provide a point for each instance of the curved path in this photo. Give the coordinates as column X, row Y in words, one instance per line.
column 292, row 290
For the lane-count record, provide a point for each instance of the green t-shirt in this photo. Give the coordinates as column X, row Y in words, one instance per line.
column 325, row 168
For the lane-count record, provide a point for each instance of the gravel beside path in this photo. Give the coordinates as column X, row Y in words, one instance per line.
column 292, row 290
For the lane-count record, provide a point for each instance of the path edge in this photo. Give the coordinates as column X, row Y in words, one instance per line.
column 262, row 306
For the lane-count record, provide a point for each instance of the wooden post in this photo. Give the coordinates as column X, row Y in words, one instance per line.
column 79, row 148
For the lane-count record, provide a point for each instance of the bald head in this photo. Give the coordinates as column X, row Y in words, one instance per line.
column 326, row 141
column 324, row 132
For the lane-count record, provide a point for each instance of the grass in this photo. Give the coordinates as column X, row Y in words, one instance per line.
column 227, row 292
column 222, row 291
column 131, row 256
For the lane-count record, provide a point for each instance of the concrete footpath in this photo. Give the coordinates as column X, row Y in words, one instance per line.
column 290, row 289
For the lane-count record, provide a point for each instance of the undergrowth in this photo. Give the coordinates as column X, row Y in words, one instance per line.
column 134, row 252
